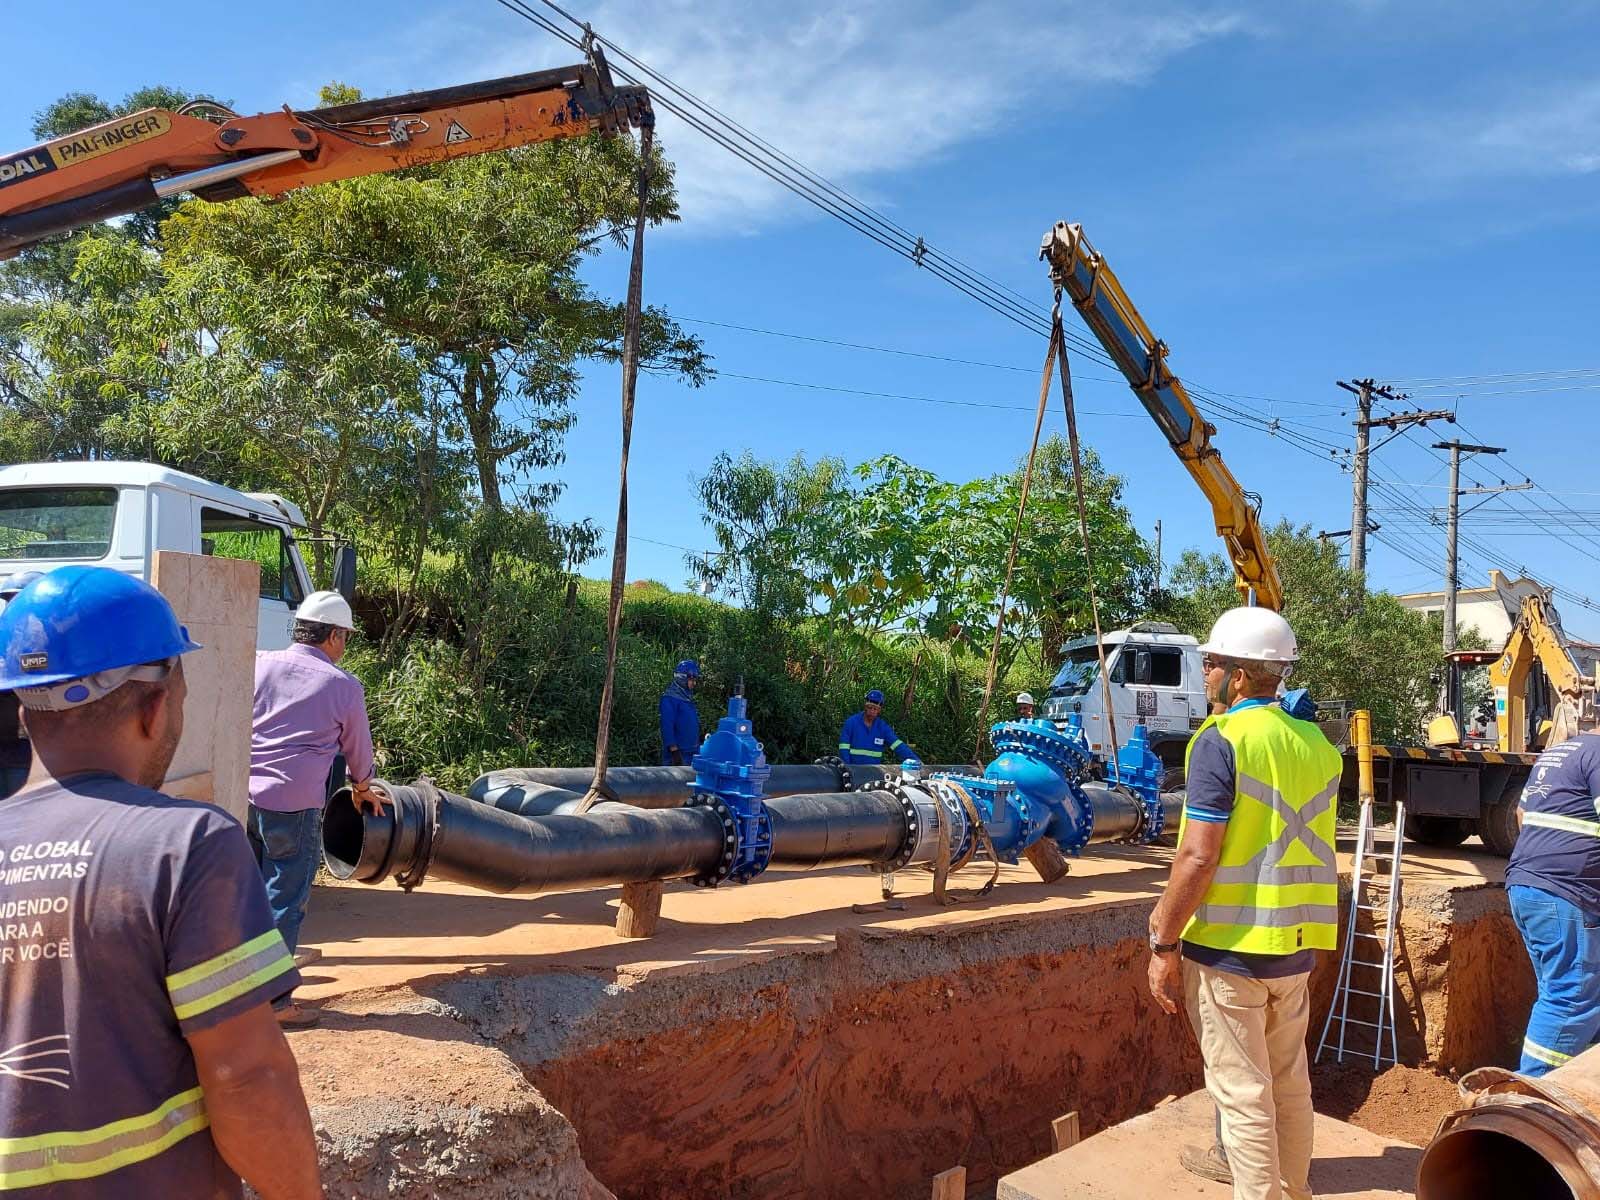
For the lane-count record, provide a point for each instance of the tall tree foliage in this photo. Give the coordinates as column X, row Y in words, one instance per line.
column 891, row 547
column 398, row 353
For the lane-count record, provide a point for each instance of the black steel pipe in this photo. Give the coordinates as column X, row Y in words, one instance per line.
column 445, row 836
column 427, row 832
column 539, row 791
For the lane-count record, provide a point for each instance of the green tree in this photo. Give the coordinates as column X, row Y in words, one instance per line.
column 757, row 512
column 1359, row 646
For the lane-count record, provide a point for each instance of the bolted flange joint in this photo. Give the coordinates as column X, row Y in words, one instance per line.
column 746, row 841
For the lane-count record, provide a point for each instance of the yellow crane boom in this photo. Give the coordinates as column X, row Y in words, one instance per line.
column 1097, row 294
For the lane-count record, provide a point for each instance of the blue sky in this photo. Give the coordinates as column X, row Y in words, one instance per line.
column 1292, row 193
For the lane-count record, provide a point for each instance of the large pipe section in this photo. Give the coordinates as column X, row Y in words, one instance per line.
column 729, row 829
column 1536, row 1139
column 539, row 791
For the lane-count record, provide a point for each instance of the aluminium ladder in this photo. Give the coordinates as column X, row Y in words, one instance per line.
column 1373, row 890
column 1376, row 891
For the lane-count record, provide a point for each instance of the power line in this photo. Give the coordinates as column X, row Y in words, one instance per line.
column 849, row 391
column 816, row 189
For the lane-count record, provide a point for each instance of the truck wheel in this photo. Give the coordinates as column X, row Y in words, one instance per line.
column 1437, row 831
column 1498, row 825
column 1172, row 777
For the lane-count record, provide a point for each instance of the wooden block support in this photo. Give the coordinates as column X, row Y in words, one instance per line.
column 1047, row 859
column 951, row 1184
column 640, row 910
column 1064, row 1132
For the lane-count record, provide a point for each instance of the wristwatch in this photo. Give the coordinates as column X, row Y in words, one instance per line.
column 1161, row 947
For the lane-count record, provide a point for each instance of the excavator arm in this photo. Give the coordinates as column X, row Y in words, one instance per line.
column 131, row 162
column 1142, row 358
column 1536, row 638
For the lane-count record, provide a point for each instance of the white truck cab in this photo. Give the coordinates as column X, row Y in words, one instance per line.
column 118, row 514
column 1155, row 678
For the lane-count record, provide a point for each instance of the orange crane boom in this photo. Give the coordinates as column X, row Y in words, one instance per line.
column 131, row 162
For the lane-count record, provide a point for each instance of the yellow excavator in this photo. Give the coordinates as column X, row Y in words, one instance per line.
column 1540, row 695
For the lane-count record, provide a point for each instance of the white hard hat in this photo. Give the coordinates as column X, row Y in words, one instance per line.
column 1024, row 697
column 326, row 608
column 1252, row 635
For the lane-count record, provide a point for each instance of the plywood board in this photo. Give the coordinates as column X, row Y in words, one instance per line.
column 218, row 601
column 1139, row 1159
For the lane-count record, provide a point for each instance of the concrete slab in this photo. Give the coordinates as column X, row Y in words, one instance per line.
column 1139, row 1158
column 377, row 938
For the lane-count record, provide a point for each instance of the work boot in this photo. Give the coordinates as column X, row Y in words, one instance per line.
column 294, row 1015
column 1210, row 1163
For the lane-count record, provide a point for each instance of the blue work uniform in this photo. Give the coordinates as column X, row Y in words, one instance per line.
column 680, row 724
column 863, row 743
column 1553, row 881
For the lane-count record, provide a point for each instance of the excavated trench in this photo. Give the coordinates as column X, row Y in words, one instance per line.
column 870, row 1063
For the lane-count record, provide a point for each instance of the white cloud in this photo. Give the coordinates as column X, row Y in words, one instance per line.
column 1549, row 133
column 854, row 91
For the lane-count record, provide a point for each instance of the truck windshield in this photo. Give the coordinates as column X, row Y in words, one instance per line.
column 56, row 523
column 1077, row 674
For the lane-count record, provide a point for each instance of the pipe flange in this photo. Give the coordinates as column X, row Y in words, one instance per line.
column 730, row 838
column 1082, row 824
column 908, row 811
column 840, row 769
column 411, row 878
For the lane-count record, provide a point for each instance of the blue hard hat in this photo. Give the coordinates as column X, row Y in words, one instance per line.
column 78, row 621
column 687, row 667
column 874, row 697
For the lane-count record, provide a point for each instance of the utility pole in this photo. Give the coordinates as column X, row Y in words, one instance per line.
column 1158, row 556
column 1364, row 390
column 1451, row 582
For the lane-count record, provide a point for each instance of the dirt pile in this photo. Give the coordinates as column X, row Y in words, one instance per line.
column 1400, row 1102
column 410, row 1104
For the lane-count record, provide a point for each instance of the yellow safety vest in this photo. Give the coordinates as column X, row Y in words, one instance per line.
column 1276, row 889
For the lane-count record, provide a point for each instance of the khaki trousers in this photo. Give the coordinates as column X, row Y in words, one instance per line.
column 1252, row 1036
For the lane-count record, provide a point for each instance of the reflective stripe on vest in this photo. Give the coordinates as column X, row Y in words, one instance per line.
column 85, row 1153
column 1557, row 821
column 1275, row 889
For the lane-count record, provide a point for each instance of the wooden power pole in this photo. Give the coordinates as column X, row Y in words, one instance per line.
column 1364, row 390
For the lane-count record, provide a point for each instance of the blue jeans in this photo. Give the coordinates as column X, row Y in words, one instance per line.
column 288, row 847
column 1564, row 943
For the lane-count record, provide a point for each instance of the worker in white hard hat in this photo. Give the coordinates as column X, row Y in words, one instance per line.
column 1024, row 706
column 1252, row 897
column 307, row 712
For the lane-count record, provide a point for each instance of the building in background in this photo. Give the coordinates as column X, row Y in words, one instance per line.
column 1475, row 607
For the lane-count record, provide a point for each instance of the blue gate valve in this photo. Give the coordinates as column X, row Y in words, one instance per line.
column 730, row 777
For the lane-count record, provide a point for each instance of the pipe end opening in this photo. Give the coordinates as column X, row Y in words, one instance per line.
column 344, row 838
column 1484, row 1164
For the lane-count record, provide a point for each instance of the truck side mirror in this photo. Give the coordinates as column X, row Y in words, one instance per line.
column 1141, row 666
column 344, row 572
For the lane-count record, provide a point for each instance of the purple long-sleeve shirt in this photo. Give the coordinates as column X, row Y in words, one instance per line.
column 306, row 711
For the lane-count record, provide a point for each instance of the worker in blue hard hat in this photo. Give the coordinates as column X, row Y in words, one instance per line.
column 867, row 737
column 136, row 997
column 680, row 719
column 15, row 755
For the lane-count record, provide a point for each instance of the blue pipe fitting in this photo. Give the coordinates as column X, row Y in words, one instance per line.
column 730, row 777
column 1004, row 814
column 1139, row 769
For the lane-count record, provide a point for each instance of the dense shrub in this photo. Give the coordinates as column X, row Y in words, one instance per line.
column 454, row 699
